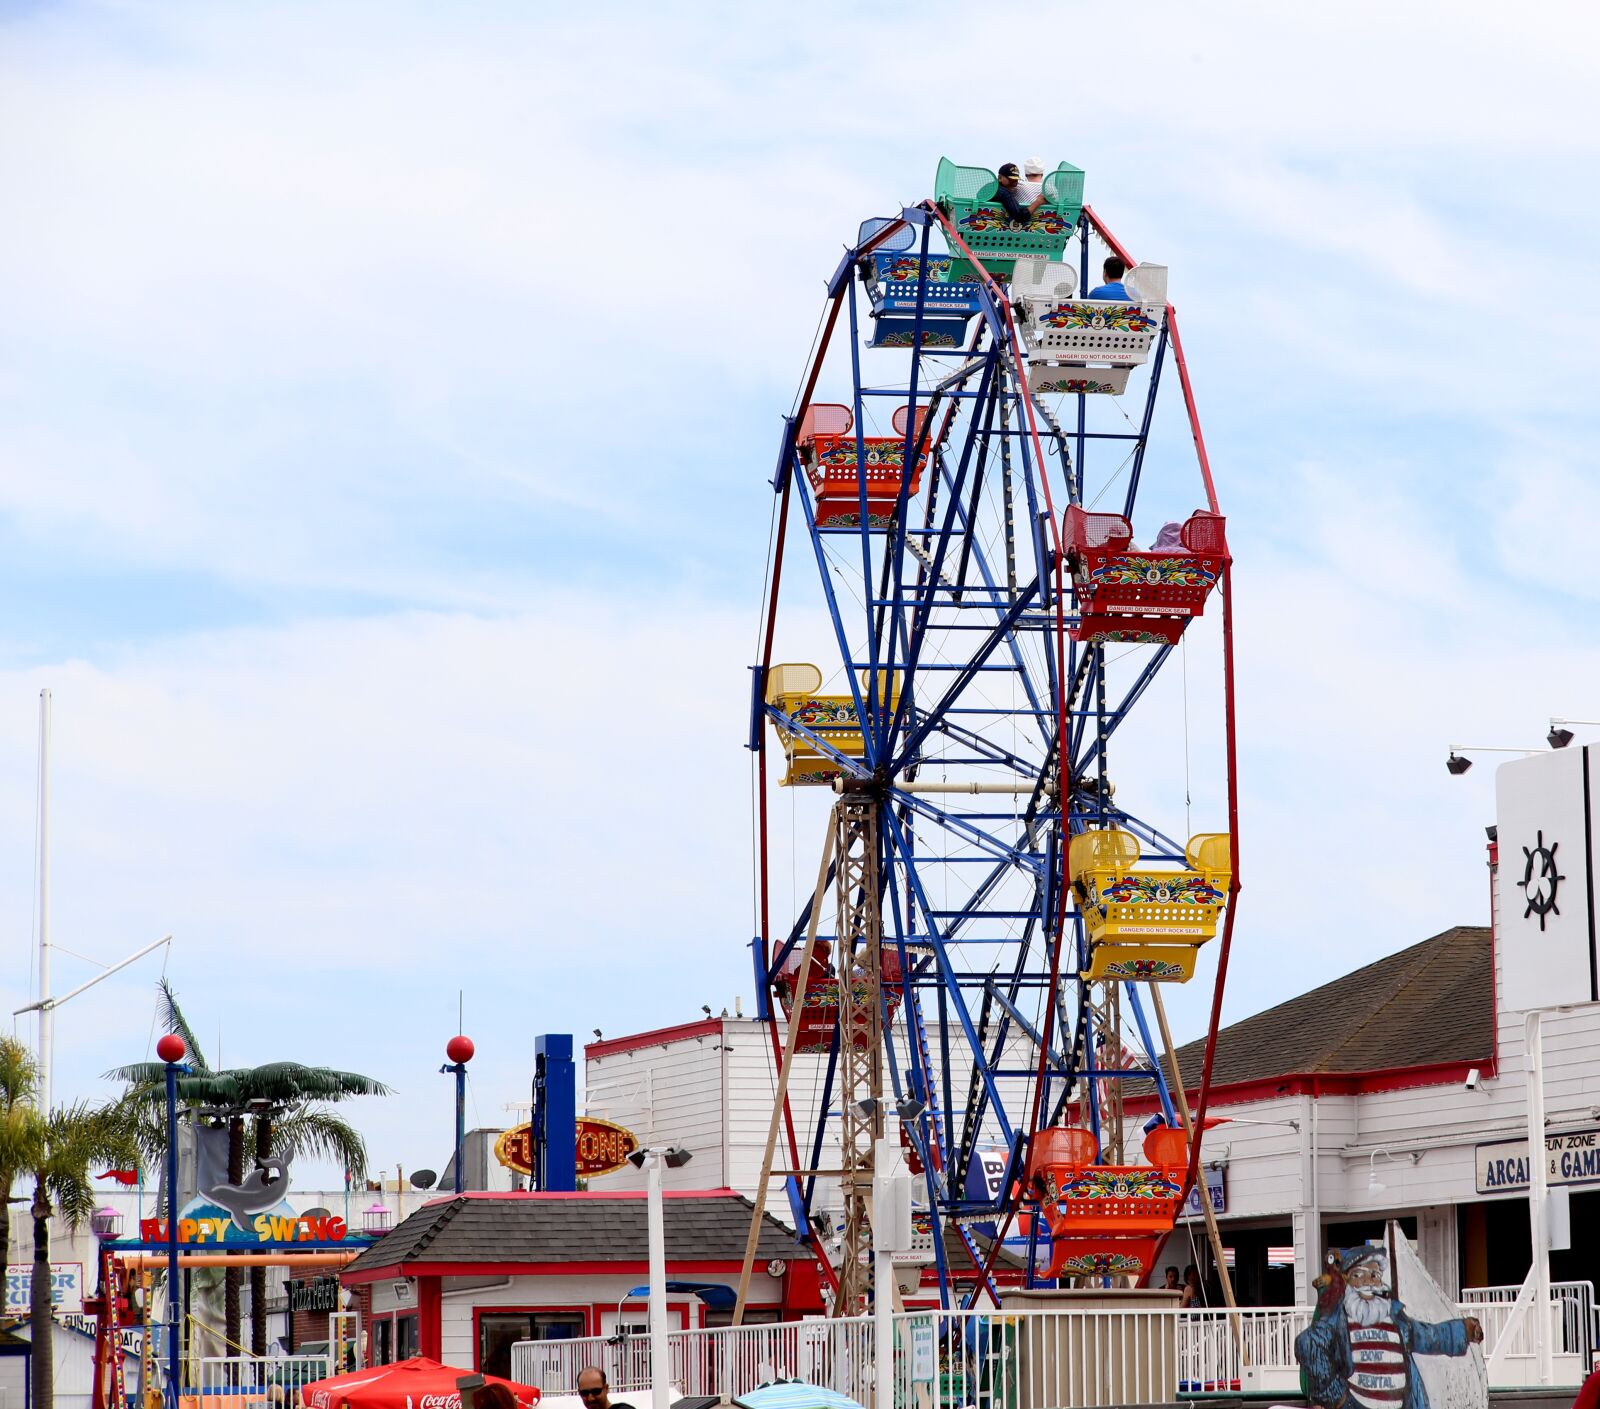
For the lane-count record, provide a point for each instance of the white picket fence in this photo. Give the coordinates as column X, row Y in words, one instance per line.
column 1060, row 1357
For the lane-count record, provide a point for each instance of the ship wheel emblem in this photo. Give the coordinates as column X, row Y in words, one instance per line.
column 1539, row 880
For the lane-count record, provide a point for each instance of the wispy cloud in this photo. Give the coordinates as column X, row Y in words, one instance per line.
column 390, row 395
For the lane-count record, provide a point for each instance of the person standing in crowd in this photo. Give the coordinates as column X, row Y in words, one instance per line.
column 595, row 1391
column 1191, row 1288
column 1171, row 1284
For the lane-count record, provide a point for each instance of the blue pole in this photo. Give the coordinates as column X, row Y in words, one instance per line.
column 172, row 1230
column 460, row 1070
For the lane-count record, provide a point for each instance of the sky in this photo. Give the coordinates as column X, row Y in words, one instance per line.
column 389, row 394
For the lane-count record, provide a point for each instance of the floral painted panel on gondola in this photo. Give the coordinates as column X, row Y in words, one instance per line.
column 1153, row 570
column 826, row 995
column 818, row 778
column 989, row 217
column 928, row 340
column 1073, row 385
column 1121, row 319
column 1157, row 889
column 853, row 520
column 1143, row 968
column 820, row 714
column 880, row 451
column 908, row 266
column 1112, row 1182
column 1127, row 636
column 1100, row 1264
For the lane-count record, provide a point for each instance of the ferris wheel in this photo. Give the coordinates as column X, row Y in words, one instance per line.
column 976, row 971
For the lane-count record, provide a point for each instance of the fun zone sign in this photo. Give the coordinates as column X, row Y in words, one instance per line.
column 1569, row 1159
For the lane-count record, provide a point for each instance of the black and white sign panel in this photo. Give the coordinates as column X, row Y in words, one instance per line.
column 1545, row 808
column 1570, row 1158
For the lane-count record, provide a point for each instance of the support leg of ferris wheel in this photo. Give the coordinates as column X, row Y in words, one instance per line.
column 861, row 1119
column 779, row 1105
column 1213, row 1233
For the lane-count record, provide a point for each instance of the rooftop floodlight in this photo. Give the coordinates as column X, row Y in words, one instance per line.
column 637, row 1157
column 676, row 1157
column 1560, row 736
column 1457, row 764
column 909, row 1108
column 866, row 1107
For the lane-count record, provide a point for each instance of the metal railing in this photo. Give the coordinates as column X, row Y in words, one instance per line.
column 256, row 1381
column 1575, row 1322
column 714, row 1360
column 1064, row 1358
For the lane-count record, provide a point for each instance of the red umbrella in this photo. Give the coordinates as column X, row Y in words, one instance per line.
column 412, row 1384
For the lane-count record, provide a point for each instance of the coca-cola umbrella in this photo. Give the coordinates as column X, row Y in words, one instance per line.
column 418, row 1383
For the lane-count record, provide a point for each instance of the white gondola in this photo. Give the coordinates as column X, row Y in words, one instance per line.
column 1083, row 331
column 1046, row 378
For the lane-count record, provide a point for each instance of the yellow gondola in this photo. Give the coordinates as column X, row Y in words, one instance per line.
column 795, row 688
column 1147, row 922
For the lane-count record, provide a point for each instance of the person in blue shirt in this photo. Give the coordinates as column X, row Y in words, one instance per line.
column 1011, row 198
column 1113, row 288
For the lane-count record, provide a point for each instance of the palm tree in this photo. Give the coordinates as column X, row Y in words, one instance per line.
column 277, row 1108
column 57, row 1151
column 19, row 1084
column 287, row 1102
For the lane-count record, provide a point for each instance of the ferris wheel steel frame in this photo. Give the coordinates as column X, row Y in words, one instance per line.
column 1072, row 695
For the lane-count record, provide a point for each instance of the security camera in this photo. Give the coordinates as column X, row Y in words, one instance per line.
column 1474, row 1076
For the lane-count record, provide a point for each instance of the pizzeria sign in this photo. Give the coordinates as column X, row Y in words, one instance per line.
column 1571, row 1158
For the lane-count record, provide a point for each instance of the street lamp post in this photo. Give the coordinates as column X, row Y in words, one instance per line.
column 459, row 1049
column 651, row 1160
column 172, row 1049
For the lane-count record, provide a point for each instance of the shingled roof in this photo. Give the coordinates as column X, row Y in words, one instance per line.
column 509, row 1228
column 1430, row 1004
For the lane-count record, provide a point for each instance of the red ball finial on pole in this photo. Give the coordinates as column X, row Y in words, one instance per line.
column 459, row 1049
column 172, row 1048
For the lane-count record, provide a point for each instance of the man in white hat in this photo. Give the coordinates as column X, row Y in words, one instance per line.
column 1031, row 187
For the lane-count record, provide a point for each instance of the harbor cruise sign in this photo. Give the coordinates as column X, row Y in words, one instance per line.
column 1572, row 1158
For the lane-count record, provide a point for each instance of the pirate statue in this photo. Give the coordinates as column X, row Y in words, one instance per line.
column 1358, row 1351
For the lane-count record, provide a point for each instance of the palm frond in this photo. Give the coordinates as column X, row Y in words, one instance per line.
column 19, row 1072
column 173, row 1016
column 74, row 1138
column 292, row 1082
column 308, row 1131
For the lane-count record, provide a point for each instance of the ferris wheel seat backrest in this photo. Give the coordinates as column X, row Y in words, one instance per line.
column 1103, row 849
column 1167, row 1145
column 792, row 678
column 1212, row 853
column 902, row 239
column 824, row 418
column 902, row 418
column 1063, row 1145
column 1146, row 283
column 1085, row 529
column 1043, row 278
column 1205, row 532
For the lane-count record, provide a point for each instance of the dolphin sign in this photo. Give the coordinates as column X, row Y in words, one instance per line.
column 262, row 1189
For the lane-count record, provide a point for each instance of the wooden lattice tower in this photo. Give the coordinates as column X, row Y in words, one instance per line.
column 859, row 934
